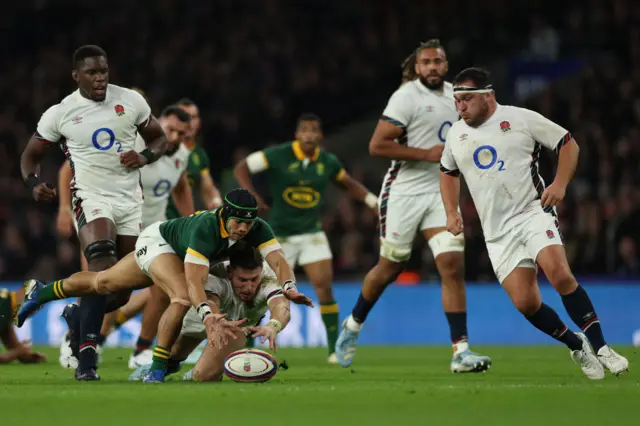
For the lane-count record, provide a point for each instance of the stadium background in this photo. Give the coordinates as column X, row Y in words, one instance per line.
column 254, row 66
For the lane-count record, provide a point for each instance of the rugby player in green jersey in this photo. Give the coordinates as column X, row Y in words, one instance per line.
column 299, row 173
column 16, row 350
column 175, row 255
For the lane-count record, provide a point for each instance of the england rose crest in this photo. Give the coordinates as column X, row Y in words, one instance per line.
column 505, row 126
column 119, row 110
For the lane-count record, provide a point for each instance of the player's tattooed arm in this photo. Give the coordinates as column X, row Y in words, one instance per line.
column 182, row 196
column 280, row 309
column 29, row 167
column 383, row 144
column 156, row 142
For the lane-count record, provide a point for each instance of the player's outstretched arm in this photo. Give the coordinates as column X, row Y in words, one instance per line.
column 357, row 190
column 254, row 163
column 29, row 166
column 209, row 191
column 279, row 308
column 182, row 196
column 17, row 350
column 278, row 263
column 567, row 164
column 383, row 144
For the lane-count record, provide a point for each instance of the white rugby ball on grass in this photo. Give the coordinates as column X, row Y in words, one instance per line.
column 250, row 366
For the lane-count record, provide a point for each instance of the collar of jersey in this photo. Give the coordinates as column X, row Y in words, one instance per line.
column 300, row 155
column 223, row 231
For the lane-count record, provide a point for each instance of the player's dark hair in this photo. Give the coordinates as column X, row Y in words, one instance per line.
column 245, row 256
column 478, row 76
column 181, row 114
column 87, row 51
column 309, row 116
column 185, row 102
column 409, row 64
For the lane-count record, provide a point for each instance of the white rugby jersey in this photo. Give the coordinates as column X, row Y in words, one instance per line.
column 499, row 161
column 158, row 180
column 234, row 307
column 426, row 117
column 92, row 135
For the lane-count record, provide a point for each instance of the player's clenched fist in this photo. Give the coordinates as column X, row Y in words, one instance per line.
column 454, row 223
column 132, row 160
column 43, row 192
column 553, row 195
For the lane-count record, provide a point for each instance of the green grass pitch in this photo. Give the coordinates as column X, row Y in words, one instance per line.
column 386, row 386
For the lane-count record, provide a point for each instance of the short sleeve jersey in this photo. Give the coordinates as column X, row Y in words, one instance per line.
column 203, row 235
column 499, row 161
column 297, row 185
column 236, row 308
column 92, row 136
column 198, row 164
column 425, row 116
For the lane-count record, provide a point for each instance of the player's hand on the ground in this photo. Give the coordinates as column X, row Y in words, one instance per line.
column 267, row 332
column 298, row 298
column 44, row 192
column 434, row 154
column 27, row 356
column 132, row 160
column 454, row 223
column 64, row 223
column 553, row 195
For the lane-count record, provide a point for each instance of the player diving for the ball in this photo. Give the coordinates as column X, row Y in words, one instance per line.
column 242, row 287
column 175, row 255
column 16, row 350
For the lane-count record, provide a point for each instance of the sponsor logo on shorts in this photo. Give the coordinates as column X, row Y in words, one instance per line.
column 550, row 234
column 96, row 211
column 162, row 244
column 141, row 252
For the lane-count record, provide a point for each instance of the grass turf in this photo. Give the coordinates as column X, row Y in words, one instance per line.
column 386, row 386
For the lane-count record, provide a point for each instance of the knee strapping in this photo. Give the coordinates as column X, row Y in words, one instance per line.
column 180, row 301
column 100, row 248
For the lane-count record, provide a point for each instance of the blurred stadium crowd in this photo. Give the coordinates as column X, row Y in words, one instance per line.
column 253, row 66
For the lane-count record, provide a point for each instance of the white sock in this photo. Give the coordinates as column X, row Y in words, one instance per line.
column 460, row 347
column 353, row 325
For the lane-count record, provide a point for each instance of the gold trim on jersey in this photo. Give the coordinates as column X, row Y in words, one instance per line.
column 299, row 153
column 197, row 254
column 268, row 243
column 301, row 197
column 204, row 171
column 223, row 232
column 341, row 174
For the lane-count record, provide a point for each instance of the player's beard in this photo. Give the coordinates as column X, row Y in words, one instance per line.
column 432, row 86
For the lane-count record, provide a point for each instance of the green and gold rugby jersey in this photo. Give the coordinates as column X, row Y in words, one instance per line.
column 7, row 305
column 297, row 185
column 204, row 236
column 198, row 165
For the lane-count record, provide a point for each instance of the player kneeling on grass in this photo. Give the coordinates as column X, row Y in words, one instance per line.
column 16, row 350
column 245, row 287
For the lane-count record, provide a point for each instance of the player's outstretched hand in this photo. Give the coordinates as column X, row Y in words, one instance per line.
column 267, row 332
column 44, row 192
column 219, row 330
column 454, row 223
column 553, row 195
column 298, row 298
column 27, row 356
column 132, row 160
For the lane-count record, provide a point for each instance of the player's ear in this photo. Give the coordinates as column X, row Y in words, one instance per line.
column 75, row 76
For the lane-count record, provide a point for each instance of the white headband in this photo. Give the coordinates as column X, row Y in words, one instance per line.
column 469, row 89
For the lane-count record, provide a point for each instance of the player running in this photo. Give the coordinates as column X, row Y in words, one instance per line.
column 175, row 255
column 96, row 127
column 299, row 173
column 245, row 287
column 16, row 350
column 411, row 133
column 160, row 180
column 496, row 148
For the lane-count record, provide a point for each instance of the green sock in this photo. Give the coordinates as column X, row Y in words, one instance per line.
column 330, row 317
column 51, row 292
column 160, row 358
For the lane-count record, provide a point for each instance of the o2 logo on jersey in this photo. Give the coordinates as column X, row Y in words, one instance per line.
column 161, row 188
column 106, row 142
column 444, row 129
column 485, row 157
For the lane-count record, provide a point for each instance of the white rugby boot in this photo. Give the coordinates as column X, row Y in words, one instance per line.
column 591, row 367
column 614, row 362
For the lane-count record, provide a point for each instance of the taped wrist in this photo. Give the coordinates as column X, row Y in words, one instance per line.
column 203, row 310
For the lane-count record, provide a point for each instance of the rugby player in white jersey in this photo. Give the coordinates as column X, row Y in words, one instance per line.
column 242, row 287
column 96, row 127
column 496, row 148
column 411, row 133
column 160, row 180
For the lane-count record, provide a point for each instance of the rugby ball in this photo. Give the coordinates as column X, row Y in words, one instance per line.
column 250, row 366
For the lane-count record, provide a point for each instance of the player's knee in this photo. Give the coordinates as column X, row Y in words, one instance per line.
column 394, row 252
column 104, row 284
column 560, row 277
column 206, row 375
column 100, row 255
column 526, row 305
column 451, row 267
